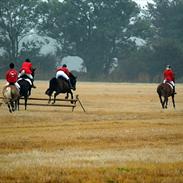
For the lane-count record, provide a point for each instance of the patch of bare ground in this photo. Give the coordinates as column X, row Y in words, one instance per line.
column 124, row 136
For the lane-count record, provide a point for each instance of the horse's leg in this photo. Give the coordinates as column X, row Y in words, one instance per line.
column 12, row 104
column 166, row 102
column 67, row 96
column 161, row 101
column 25, row 98
column 71, row 96
column 29, row 92
column 173, row 101
column 9, row 107
column 54, row 98
column 18, row 104
column 49, row 93
column 49, row 100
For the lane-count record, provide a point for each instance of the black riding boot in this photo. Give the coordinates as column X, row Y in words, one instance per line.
column 33, row 86
column 70, row 85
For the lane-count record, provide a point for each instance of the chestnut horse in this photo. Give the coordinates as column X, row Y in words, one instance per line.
column 164, row 91
column 11, row 96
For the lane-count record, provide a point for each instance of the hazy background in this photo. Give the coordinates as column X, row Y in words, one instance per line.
column 130, row 41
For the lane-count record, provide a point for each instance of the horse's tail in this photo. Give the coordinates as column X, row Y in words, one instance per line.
column 48, row 92
column 51, row 89
column 159, row 89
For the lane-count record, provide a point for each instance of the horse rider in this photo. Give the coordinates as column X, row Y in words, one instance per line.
column 27, row 70
column 169, row 76
column 65, row 73
column 12, row 76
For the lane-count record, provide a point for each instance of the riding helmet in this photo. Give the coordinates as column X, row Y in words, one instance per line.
column 27, row 60
column 11, row 65
column 168, row 67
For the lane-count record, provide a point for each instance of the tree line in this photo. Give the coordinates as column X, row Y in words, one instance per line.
column 117, row 40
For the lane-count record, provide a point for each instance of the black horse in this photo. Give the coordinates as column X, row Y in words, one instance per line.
column 165, row 90
column 25, row 88
column 60, row 85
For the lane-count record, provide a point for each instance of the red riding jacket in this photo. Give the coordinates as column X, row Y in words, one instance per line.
column 64, row 69
column 12, row 76
column 169, row 75
column 27, row 66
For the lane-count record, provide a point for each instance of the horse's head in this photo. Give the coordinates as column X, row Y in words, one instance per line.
column 73, row 80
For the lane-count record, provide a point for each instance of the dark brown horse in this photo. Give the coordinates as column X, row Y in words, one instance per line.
column 60, row 85
column 164, row 91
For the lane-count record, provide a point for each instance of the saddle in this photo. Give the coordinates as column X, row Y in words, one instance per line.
column 25, row 78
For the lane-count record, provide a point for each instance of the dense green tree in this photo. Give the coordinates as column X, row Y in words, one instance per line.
column 167, row 17
column 17, row 19
column 93, row 30
column 167, row 42
column 97, row 31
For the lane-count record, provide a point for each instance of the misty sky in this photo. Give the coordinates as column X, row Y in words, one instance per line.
column 142, row 3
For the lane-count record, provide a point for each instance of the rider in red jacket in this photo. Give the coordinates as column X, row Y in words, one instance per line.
column 65, row 73
column 12, row 76
column 26, row 69
column 169, row 76
column 64, row 69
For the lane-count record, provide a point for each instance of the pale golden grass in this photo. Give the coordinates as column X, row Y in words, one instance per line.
column 124, row 136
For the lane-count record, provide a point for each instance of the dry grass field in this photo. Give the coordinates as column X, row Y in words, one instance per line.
column 124, row 136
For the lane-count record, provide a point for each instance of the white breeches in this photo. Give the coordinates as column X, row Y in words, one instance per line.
column 63, row 74
column 16, row 84
column 23, row 73
column 171, row 82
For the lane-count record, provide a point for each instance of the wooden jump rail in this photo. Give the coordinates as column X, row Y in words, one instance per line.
column 73, row 105
column 68, row 100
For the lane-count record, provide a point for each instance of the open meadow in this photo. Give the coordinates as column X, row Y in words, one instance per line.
column 124, row 136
